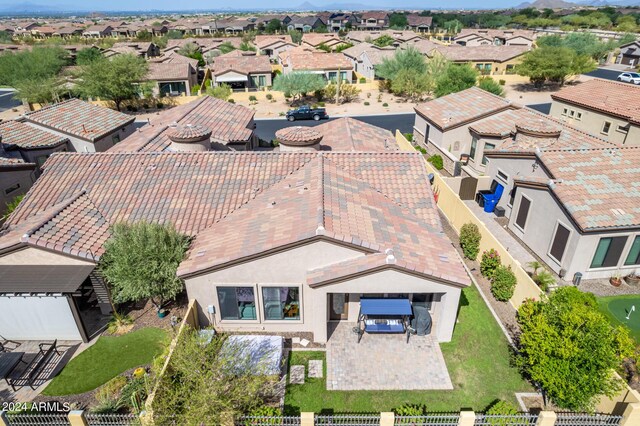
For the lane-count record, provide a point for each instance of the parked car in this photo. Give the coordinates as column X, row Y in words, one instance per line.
column 630, row 77
column 305, row 112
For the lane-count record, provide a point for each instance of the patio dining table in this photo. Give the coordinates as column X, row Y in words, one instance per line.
column 8, row 362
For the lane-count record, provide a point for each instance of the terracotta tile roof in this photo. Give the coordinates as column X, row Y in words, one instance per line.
column 241, row 64
column 349, row 134
column 375, row 14
column 482, row 53
column 7, row 163
column 357, row 50
column 228, row 122
column 319, row 61
column 493, row 33
column 606, row 96
column 414, row 20
column 300, row 50
column 328, row 202
column 24, row 136
column 462, row 107
column 316, row 39
column 264, row 41
column 165, row 71
column 298, row 136
column 80, row 119
column 398, row 35
column 176, row 58
column 425, row 47
column 551, row 133
column 79, row 195
column 598, row 187
column 376, row 57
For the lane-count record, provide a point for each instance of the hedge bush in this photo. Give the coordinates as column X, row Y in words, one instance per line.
column 470, row 240
column 363, row 80
column 437, row 162
column 410, row 410
column 489, row 263
column 252, row 98
column 231, row 101
column 366, row 104
column 503, row 283
column 269, row 96
column 501, row 408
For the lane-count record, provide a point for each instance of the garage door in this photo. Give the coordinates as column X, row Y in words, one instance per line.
column 37, row 318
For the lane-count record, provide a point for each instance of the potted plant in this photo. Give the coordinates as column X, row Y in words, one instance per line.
column 163, row 312
column 633, row 278
column 615, row 279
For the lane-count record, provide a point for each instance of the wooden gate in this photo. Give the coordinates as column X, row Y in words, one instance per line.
column 468, row 187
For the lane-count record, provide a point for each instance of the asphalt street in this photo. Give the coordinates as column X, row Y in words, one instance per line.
column 604, row 73
column 7, row 101
column 266, row 129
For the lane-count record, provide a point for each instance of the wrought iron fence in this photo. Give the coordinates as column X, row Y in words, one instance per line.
column 94, row 419
column 577, row 419
column 268, row 421
column 428, row 420
column 39, row 419
column 348, row 420
column 522, row 419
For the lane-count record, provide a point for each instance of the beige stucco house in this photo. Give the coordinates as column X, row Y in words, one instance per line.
column 601, row 107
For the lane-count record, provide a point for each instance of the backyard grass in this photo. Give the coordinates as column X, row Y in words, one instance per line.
column 478, row 359
column 108, row 357
column 616, row 309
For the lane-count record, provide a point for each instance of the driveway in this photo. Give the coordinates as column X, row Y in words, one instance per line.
column 607, row 74
column 266, row 129
column 383, row 361
column 7, row 101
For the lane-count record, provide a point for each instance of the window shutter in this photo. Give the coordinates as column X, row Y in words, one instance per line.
column 523, row 212
column 559, row 242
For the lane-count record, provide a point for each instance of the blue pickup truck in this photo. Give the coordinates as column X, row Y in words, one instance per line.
column 305, row 112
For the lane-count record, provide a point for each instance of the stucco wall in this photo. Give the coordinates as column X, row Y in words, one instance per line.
column 100, row 145
column 8, row 179
column 593, row 122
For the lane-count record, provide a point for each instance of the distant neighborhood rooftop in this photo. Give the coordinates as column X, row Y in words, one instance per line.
column 80, row 119
column 349, row 134
column 24, row 136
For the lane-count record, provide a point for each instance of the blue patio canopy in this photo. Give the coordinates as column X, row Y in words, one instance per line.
column 385, row 307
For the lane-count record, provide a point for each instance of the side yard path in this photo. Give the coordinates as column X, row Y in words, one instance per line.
column 504, row 310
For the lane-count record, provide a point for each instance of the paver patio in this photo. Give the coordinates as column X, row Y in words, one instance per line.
column 383, row 361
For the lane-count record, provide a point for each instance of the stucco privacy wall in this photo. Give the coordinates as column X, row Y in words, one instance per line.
column 289, row 268
column 458, row 214
column 34, row 256
column 37, row 318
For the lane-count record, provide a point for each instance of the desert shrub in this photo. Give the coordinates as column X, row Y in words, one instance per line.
column 120, row 323
column 503, row 283
column 367, row 104
column 253, row 98
column 231, row 101
column 159, row 105
column 502, row 82
column 266, row 411
column 108, row 396
column 470, row 240
column 363, row 80
column 385, row 104
column 195, row 88
column 269, row 96
column 408, row 136
column 410, row 410
column 421, row 149
column 437, row 162
column 501, row 408
column 544, row 279
column 489, row 263
column 134, row 393
column 321, row 104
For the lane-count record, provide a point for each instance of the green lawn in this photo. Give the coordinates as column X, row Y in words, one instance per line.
column 478, row 362
column 616, row 308
column 108, row 357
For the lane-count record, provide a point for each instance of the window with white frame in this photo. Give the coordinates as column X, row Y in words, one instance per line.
column 503, row 176
column 606, row 127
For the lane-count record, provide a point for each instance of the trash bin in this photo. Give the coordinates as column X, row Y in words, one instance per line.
column 577, row 277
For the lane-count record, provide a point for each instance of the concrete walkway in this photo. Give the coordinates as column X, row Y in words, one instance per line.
column 511, row 243
column 383, row 361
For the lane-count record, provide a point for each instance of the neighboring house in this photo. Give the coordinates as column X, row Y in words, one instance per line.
column 205, row 44
column 235, row 26
column 353, row 54
column 418, row 23
column 315, row 40
column 629, row 54
column 488, row 60
column 16, row 178
column 349, row 134
column 326, row 64
column 370, row 59
column 341, row 21
column 89, row 128
column 442, row 124
column 373, row 20
column 232, row 127
column 576, row 209
column 144, row 49
column 98, row 31
column 426, row 47
column 273, row 45
column 242, row 72
column 171, row 78
column 484, row 37
column 601, row 107
column 265, row 19
column 305, row 24
column 51, row 244
column 30, row 143
column 399, row 37
column 67, row 32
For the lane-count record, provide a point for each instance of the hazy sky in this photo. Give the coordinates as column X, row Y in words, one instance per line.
column 217, row 4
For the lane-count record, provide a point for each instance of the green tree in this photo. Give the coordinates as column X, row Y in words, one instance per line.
column 226, row 47
column 398, row 21
column 298, row 84
column 221, row 91
column 144, row 35
column 453, row 27
column 324, row 47
column 296, row 36
column 455, row 79
column 174, row 35
column 570, row 349
column 140, row 262
column 212, row 383
column 11, row 206
column 5, row 37
column 554, row 64
column 406, row 59
column 115, row 79
column 491, row 86
column 192, row 50
column 273, row 26
column 411, row 83
column 384, row 41
column 88, row 55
